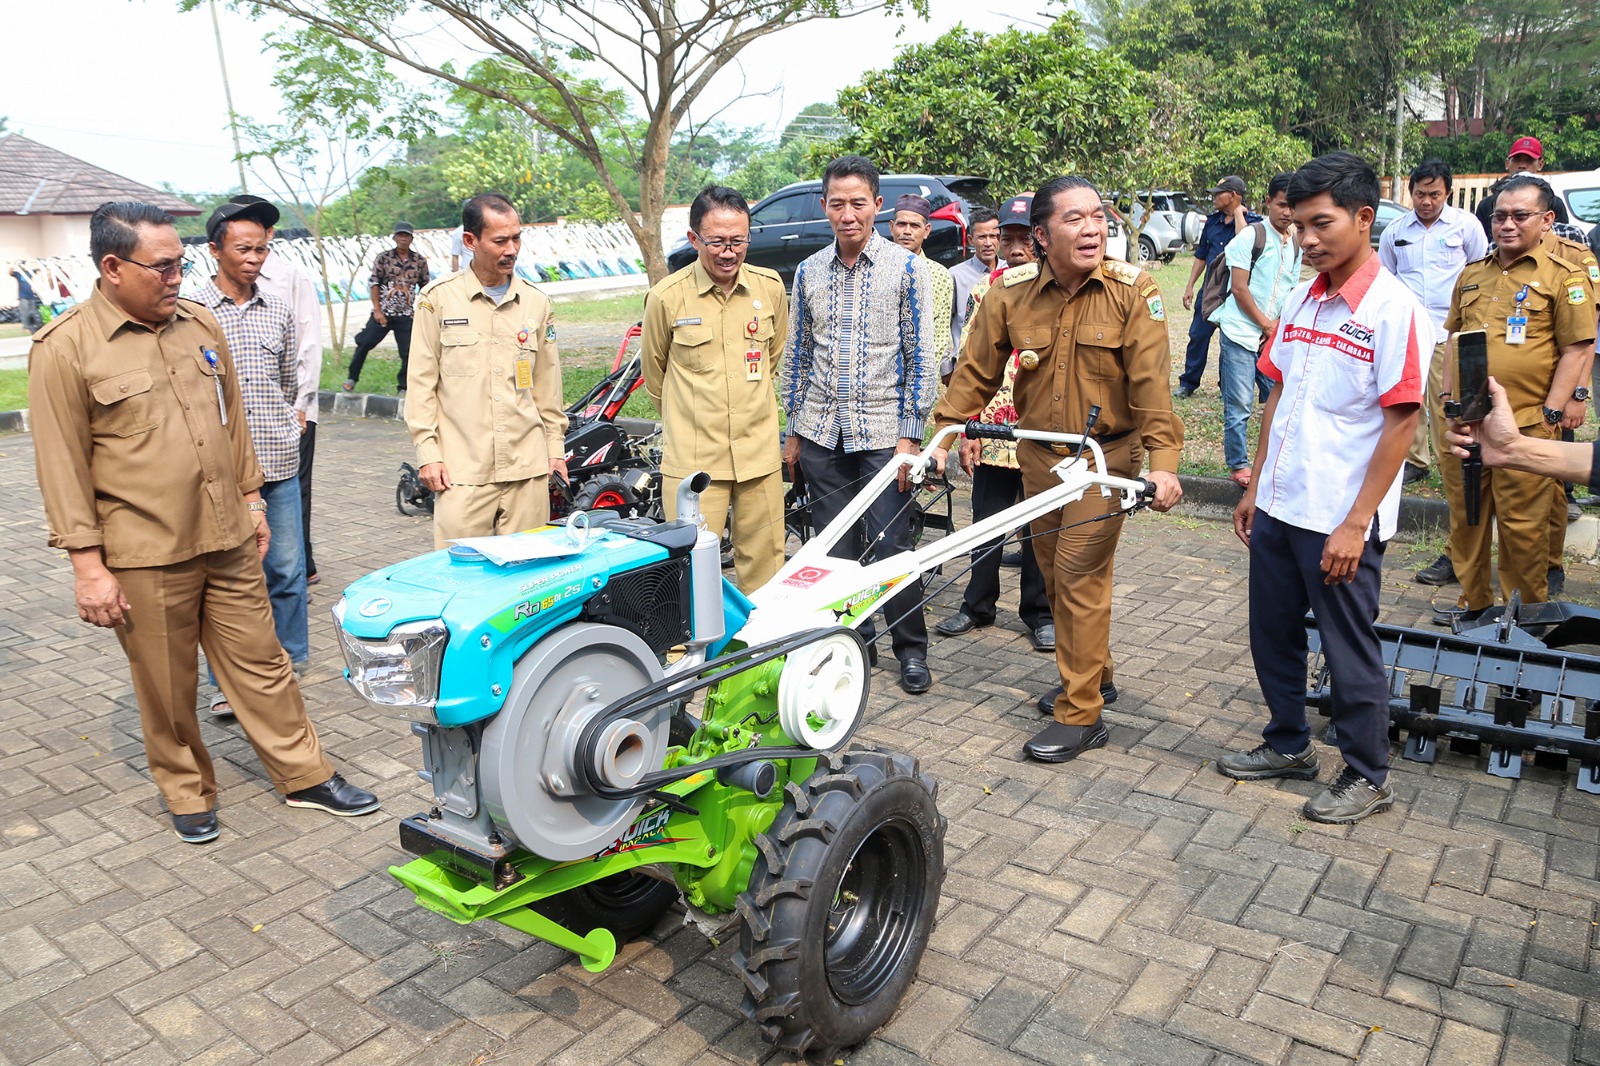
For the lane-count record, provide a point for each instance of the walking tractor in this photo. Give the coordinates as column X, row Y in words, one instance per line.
column 608, row 726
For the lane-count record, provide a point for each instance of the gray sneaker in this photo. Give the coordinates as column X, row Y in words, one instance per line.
column 1349, row 799
column 1261, row 762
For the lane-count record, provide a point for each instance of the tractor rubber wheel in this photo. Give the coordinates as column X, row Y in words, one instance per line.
column 626, row 904
column 606, row 493
column 841, row 901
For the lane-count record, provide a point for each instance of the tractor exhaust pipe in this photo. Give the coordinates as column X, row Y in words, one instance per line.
column 689, row 497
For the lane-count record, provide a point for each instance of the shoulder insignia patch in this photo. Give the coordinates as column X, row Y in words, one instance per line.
column 1593, row 269
column 1018, row 274
column 1117, row 270
column 1577, row 291
column 1157, row 312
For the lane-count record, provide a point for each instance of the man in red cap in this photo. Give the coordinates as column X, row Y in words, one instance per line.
column 1525, row 156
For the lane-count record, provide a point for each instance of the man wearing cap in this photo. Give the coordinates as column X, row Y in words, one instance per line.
column 1526, row 156
column 1092, row 334
column 713, row 334
column 485, row 411
column 1228, row 219
column 152, row 488
column 996, row 477
column 398, row 274
column 294, row 287
column 910, row 228
column 261, row 339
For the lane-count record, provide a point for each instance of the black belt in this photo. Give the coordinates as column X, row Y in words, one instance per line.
column 1072, row 449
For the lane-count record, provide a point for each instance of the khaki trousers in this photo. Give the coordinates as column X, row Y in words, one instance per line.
column 490, row 510
column 1558, row 522
column 1517, row 506
column 217, row 601
column 1077, row 565
column 757, row 532
column 1449, row 466
column 1429, row 424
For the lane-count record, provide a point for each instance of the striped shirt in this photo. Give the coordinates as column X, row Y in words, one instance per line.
column 261, row 339
column 863, row 354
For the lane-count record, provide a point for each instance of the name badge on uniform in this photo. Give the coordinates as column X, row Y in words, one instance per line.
column 686, row 322
column 1517, row 322
column 752, row 355
column 457, row 322
column 524, row 371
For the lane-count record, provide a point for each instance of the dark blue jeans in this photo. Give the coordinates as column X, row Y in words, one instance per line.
column 1285, row 582
column 833, row 477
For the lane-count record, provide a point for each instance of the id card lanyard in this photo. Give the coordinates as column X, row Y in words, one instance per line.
column 1517, row 322
column 752, row 355
column 216, row 376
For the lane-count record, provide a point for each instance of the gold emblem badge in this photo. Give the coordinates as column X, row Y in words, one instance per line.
column 1029, row 360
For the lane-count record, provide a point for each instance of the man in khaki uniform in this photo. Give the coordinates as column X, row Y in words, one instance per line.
column 1534, row 298
column 713, row 332
column 151, row 486
column 1096, row 332
column 484, row 408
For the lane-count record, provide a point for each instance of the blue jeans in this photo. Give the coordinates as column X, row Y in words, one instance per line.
column 1236, row 365
column 285, row 569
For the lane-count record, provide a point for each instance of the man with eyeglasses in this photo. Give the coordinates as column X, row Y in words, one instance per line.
column 713, row 335
column 1534, row 299
column 152, row 487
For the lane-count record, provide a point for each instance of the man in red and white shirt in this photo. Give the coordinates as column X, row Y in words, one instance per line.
column 1325, row 492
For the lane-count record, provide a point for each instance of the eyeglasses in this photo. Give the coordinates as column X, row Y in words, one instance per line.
column 717, row 244
column 168, row 271
column 1519, row 216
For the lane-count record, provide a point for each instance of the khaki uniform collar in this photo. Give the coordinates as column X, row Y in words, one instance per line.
column 704, row 282
column 109, row 318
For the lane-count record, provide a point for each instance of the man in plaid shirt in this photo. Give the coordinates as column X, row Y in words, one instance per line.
column 260, row 331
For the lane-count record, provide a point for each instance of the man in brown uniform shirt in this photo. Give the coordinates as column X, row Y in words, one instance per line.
column 1099, row 334
column 151, row 485
column 1534, row 300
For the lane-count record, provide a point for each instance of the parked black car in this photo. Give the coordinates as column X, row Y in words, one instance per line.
column 788, row 226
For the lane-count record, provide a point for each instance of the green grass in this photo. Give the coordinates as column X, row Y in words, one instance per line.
column 11, row 329
column 13, row 390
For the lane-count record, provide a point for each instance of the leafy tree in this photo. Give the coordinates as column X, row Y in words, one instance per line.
column 661, row 55
column 1535, row 60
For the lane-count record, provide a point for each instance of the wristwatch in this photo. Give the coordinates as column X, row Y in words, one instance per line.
column 1581, row 394
column 261, row 505
column 1553, row 416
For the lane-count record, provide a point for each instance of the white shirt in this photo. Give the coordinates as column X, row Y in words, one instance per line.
column 1340, row 359
column 458, row 247
column 293, row 286
column 1428, row 259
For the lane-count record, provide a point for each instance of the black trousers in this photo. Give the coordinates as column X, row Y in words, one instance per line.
column 308, row 450
column 833, row 477
column 1285, row 582
column 994, row 488
column 371, row 334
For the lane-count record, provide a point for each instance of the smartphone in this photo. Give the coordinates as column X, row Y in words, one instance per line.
column 1472, row 375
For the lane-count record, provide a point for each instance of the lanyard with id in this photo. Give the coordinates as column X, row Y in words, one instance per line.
column 752, row 355
column 524, row 362
column 1517, row 322
column 216, row 376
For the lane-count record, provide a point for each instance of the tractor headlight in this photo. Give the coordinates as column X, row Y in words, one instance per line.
column 398, row 670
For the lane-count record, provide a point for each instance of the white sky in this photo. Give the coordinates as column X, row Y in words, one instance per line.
column 133, row 86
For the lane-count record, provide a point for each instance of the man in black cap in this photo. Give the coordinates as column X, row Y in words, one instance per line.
column 910, row 228
column 398, row 274
column 1227, row 219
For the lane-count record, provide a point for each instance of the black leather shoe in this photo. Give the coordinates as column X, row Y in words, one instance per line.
column 914, row 676
column 1044, row 638
column 336, row 796
column 1182, row 392
column 1556, row 577
column 1440, row 573
column 1011, row 559
column 1413, row 473
column 1047, row 702
column 196, row 828
column 959, row 623
column 1058, row 743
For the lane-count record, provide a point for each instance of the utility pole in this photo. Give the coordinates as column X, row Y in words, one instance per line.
column 1399, row 129
column 227, row 96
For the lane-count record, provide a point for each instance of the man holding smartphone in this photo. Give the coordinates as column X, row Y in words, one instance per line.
column 1534, row 299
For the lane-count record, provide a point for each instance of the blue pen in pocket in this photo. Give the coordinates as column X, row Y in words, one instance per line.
column 216, row 375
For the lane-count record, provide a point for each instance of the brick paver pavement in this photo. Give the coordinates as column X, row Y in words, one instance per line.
column 1132, row 906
